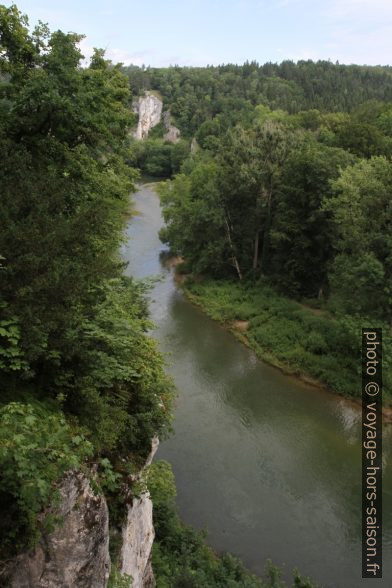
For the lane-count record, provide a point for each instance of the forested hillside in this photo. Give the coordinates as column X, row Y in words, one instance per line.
column 280, row 202
column 81, row 384
column 83, row 387
column 195, row 94
column 280, row 205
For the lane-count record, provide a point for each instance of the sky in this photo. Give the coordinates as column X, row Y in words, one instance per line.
column 200, row 32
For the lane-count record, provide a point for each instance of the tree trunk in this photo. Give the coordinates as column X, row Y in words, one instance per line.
column 264, row 253
column 256, row 250
column 234, row 258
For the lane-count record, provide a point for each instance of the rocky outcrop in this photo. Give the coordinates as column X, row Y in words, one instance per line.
column 138, row 536
column 76, row 553
column 149, row 110
column 172, row 133
column 154, row 449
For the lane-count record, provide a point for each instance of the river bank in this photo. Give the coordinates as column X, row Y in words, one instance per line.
column 300, row 342
column 268, row 465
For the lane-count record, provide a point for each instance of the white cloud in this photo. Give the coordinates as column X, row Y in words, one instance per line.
column 348, row 31
column 121, row 56
column 354, row 31
column 339, row 8
column 373, row 47
column 358, row 8
column 361, row 30
column 86, row 49
column 115, row 54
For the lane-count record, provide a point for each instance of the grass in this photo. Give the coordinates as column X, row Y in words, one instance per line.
column 291, row 336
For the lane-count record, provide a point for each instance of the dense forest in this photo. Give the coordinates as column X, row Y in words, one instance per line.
column 83, row 386
column 207, row 102
column 279, row 199
column 196, row 95
column 282, row 205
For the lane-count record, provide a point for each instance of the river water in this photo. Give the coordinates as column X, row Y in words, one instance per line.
column 271, row 467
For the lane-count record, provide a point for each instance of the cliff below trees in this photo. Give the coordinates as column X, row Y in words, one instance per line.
column 76, row 553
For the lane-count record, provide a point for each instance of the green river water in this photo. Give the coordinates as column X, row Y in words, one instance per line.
column 269, row 466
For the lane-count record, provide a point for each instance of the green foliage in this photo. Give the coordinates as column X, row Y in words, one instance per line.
column 64, row 188
column 302, row 582
column 120, row 374
column 180, row 555
column 73, row 330
column 36, row 447
column 195, row 218
column 297, row 339
column 11, row 355
column 157, row 132
column 119, row 580
column 198, row 95
column 158, row 158
column 362, row 269
column 161, row 483
column 219, row 214
column 302, row 230
column 286, row 197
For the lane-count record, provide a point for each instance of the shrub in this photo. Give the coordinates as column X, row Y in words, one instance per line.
column 316, row 343
column 37, row 447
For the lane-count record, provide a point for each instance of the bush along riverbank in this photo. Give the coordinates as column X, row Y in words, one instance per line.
column 311, row 343
column 181, row 557
column 85, row 393
column 277, row 209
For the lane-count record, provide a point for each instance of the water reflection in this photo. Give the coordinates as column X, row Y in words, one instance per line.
column 269, row 465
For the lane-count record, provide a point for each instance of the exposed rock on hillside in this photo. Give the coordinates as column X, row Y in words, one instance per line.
column 76, row 553
column 149, row 110
column 138, row 536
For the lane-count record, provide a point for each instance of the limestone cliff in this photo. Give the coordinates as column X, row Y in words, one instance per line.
column 76, row 553
column 194, row 145
column 149, row 110
column 138, row 536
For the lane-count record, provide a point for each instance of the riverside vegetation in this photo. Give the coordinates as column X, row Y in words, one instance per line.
column 283, row 211
column 284, row 217
column 82, row 385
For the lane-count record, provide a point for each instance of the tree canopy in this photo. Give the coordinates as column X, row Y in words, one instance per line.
column 74, row 353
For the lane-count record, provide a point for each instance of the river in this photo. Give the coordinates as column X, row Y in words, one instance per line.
column 270, row 466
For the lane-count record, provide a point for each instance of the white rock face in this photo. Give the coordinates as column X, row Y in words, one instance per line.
column 76, row 554
column 138, row 536
column 154, row 449
column 149, row 109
